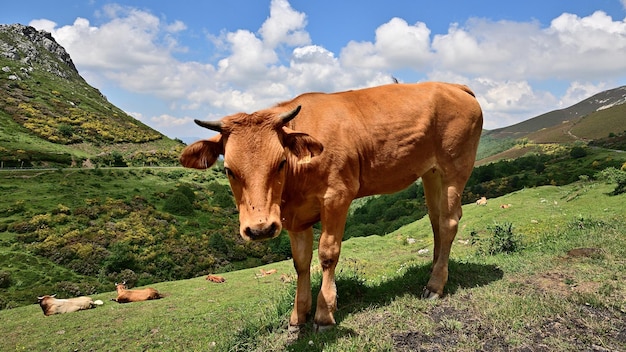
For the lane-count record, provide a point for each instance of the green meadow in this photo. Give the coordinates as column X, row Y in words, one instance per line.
column 554, row 281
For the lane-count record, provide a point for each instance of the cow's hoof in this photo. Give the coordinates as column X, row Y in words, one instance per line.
column 321, row 328
column 294, row 329
column 428, row 294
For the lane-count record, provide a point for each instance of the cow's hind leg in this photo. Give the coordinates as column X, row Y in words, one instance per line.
column 302, row 252
column 444, row 209
column 333, row 223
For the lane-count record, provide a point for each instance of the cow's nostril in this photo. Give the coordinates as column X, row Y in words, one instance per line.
column 262, row 233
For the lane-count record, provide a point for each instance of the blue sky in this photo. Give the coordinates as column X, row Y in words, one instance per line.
column 167, row 63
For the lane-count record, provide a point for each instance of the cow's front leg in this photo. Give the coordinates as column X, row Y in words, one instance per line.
column 302, row 252
column 333, row 223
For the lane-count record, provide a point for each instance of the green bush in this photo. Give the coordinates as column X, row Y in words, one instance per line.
column 218, row 243
column 614, row 175
column 5, row 279
column 178, row 204
column 578, row 152
column 502, row 240
column 187, row 191
column 281, row 245
column 222, row 197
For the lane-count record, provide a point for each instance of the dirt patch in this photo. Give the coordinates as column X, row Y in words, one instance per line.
column 551, row 282
column 562, row 281
column 453, row 327
column 585, row 253
column 586, row 328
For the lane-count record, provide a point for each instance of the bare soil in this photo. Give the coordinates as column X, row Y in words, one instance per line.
column 587, row 327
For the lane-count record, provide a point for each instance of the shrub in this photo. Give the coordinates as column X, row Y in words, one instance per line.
column 218, row 243
column 502, row 240
column 66, row 130
column 5, row 279
column 281, row 245
column 613, row 175
column 578, row 152
column 178, row 204
column 187, row 191
column 222, row 196
column 129, row 277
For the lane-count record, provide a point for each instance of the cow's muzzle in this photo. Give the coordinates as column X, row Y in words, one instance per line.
column 261, row 232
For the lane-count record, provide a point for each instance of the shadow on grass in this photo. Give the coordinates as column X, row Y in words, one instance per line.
column 355, row 296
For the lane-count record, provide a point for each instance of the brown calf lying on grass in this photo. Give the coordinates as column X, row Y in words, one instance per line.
column 266, row 273
column 124, row 295
column 216, row 279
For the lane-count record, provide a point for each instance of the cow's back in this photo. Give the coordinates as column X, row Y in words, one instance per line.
column 383, row 138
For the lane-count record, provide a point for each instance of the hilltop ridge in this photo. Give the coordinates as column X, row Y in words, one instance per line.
column 50, row 114
column 599, row 102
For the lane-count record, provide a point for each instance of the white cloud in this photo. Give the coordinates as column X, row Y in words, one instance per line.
column 166, row 120
column 285, row 25
column 578, row 91
column 397, row 45
column 512, row 50
column 248, row 60
column 501, row 61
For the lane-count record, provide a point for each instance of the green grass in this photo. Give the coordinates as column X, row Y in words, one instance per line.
column 103, row 222
column 537, row 296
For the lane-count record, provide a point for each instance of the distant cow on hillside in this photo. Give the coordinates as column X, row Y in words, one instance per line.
column 216, row 279
column 51, row 305
column 124, row 295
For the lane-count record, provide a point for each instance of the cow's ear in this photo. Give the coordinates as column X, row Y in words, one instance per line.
column 301, row 145
column 202, row 154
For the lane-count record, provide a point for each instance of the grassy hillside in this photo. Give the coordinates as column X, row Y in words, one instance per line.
column 602, row 101
column 524, row 166
column 50, row 115
column 78, row 231
column 598, row 121
column 561, row 288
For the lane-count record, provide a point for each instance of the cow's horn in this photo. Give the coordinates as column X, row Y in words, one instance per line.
column 288, row 116
column 212, row 125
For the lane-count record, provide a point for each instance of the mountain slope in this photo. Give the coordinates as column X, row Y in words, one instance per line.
column 47, row 108
column 597, row 103
column 599, row 121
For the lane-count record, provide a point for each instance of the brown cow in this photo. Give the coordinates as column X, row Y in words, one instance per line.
column 124, row 295
column 51, row 305
column 305, row 160
column 215, row 278
column 264, row 273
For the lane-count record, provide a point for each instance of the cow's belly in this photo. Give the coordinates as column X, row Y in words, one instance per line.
column 299, row 216
column 393, row 176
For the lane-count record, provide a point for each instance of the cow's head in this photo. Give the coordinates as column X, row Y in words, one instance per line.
column 259, row 150
column 45, row 297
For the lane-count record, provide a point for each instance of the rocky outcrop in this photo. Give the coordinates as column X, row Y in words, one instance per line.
column 35, row 48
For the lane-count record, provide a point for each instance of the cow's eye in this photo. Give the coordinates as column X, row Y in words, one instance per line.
column 229, row 173
column 281, row 166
